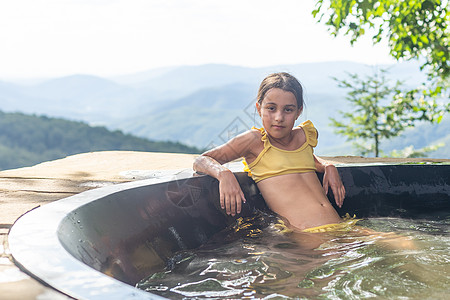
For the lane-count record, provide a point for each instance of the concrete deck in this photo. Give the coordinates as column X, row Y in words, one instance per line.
column 22, row 190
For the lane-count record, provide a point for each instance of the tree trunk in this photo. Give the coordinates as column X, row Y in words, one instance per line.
column 376, row 145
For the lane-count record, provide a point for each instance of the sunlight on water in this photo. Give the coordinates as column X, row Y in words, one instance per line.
column 253, row 260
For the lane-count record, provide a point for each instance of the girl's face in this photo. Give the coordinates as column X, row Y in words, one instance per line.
column 278, row 111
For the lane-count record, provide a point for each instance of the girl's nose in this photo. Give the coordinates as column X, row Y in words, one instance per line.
column 279, row 116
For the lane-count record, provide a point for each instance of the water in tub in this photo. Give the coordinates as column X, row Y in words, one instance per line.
column 255, row 259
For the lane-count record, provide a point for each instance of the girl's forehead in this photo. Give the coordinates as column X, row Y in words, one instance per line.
column 280, row 96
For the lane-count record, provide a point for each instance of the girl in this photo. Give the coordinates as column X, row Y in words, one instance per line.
column 281, row 161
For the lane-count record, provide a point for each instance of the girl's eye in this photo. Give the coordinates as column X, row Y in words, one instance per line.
column 271, row 108
column 289, row 110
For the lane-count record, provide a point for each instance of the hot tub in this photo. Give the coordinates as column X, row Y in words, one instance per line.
column 100, row 243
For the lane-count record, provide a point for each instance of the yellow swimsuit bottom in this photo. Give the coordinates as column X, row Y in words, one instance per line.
column 346, row 225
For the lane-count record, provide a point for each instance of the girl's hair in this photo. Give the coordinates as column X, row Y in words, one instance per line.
column 284, row 81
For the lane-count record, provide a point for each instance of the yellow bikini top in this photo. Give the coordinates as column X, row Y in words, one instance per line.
column 273, row 161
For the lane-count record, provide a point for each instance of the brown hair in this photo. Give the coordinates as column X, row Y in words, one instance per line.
column 284, row 81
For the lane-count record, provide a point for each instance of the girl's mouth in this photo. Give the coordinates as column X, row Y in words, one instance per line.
column 277, row 126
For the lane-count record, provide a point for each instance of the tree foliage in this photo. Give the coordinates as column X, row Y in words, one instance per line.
column 27, row 139
column 414, row 29
column 382, row 110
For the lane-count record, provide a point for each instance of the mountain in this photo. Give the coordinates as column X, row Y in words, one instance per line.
column 29, row 139
column 187, row 79
column 200, row 105
column 424, row 134
column 77, row 97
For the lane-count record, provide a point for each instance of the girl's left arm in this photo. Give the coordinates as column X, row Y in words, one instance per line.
column 331, row 179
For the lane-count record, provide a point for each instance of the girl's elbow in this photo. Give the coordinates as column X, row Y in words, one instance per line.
column 201, row 161
column 197, row 162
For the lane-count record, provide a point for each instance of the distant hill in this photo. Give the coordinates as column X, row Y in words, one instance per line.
column 203, row 105
column 29, row 139
column 424, row 134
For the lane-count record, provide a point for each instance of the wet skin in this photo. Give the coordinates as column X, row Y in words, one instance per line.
column 300, row 198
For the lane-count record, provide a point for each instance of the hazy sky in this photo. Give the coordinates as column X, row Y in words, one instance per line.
column 46, row 38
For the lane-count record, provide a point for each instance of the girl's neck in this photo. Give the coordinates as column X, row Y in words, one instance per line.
column 283, row 143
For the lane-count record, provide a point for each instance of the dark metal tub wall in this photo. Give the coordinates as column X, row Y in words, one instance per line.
column 130, row 233
column 408, row 191
column 123, row 231
column 128, row 230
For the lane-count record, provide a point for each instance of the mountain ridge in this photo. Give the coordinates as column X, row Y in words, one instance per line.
column 208, row 99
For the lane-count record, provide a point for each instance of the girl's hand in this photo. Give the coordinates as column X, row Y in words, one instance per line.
column 231, row 193
column 331, row 179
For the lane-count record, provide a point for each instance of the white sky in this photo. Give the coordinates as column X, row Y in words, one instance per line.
column 47, row 38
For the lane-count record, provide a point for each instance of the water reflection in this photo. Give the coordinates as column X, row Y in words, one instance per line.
column 253, row 260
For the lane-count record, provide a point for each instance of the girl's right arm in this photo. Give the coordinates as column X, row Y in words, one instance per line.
column 210, row 163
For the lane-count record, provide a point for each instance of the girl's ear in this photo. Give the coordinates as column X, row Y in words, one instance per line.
column 299, row 112
column 258, row 108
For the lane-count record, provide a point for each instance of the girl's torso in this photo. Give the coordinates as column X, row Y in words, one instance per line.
column 298, row 195
column 300, row 198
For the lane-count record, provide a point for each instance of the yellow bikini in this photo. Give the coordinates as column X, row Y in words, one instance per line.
column 347, row 224
column 273, row 161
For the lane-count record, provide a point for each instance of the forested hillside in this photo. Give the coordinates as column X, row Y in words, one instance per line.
column 29, row 139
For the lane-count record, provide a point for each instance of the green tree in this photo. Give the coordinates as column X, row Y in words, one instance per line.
column 414, row 29
column 381, row 110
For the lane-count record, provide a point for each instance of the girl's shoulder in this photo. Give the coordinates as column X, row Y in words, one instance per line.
column 255, row 135
column 311, row 134
column 255, row 143
column 241, row 145
column 259, row 133
column 247, row 140
column 307, row 127
column 249, row 143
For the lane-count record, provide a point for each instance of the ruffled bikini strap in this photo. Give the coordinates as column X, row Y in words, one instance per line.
column 264, row 137
column 267, row 145
column 310, row 132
